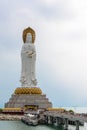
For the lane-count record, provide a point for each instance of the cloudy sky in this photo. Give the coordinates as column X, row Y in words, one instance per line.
column 61, row 44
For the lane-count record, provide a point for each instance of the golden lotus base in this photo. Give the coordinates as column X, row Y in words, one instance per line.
column 28, row 90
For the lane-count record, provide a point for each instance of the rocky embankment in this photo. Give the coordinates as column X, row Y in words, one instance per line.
column 10, row 117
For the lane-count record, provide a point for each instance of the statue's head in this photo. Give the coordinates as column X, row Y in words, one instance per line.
column 28, row 38
column 28, row 35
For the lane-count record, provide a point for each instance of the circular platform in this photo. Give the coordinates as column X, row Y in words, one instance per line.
column 28, row 90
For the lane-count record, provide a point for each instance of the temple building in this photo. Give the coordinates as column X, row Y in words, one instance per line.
column 29, row 95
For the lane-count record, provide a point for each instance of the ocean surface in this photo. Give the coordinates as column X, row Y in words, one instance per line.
column 18, row 125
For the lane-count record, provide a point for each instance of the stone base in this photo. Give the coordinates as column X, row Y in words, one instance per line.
column 20, row 100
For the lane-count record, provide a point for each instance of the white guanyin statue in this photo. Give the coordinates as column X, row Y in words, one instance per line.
column 28, row 59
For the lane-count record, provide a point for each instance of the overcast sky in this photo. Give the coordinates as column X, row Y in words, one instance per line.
column 61, row 44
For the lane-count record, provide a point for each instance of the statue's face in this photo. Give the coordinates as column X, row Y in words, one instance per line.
column 28, row 38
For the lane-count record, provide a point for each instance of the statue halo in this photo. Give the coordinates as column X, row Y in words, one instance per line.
column 28, row 30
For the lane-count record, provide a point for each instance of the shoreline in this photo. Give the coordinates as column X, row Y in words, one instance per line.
column 10, row 117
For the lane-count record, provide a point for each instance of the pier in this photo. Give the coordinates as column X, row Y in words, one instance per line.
column 64, row 119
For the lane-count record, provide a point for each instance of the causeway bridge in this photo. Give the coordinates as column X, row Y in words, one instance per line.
column 57, row 118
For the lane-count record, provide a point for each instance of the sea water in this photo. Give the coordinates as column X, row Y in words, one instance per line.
column 18, row 125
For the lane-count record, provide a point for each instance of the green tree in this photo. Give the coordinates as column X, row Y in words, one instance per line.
column 1, row 110
column 71, row 111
